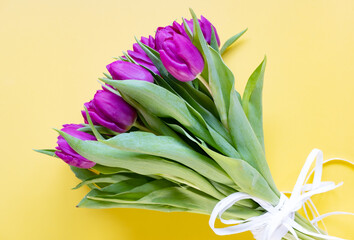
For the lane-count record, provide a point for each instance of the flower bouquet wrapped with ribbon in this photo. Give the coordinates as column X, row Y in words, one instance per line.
column 168, row 131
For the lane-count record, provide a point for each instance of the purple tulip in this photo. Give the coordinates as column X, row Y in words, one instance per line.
column 163, row 33
column 142, row 59
column 205, row 26
column 66, row 153
column 111, row 111
column 140, row 56
column 121, row 70
column 181, row 58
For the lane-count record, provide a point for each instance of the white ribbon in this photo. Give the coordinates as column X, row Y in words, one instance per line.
column 278, row 220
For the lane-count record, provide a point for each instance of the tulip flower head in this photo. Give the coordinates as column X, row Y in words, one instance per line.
column 205, row 26
column 69, row 155
column 111, row 111
column 180, row 57
column 122, row 70
column 162, row 34
column 140, row 56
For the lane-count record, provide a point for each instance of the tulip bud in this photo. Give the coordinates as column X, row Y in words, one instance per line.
column 205, row 26
column 140, row 56
column 66, row 153
column 181, row 58
column 142, row 59
column 111, row 111
column 121, row 70
column 162, row 33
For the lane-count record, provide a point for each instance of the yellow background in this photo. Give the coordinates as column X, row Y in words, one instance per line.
column 51, row 53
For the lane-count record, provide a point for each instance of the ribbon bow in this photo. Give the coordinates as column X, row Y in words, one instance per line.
column 279, row 219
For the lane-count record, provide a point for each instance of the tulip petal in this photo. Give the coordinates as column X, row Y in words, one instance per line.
column 179, row 70
column 206, row 29
column 66, row 153
column 144, row 60
column 76, row 162
column 121, row 70
column 97, row 120
column 189, row 54
column 137, row 55
column 111, row 108
column 72, row 129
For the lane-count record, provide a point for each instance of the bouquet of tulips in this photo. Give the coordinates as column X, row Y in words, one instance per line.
column 169, row 132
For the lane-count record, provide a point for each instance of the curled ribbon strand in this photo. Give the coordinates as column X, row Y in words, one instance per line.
column 279, row 220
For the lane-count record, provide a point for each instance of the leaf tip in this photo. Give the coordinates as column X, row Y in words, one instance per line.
column 264, row 59
column 57, row 130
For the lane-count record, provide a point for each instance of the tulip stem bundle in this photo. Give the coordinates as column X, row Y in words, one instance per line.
column 154, row 138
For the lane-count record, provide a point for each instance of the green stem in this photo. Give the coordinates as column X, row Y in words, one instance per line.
column 141, row 127
column 204, row 82
column 307, row 224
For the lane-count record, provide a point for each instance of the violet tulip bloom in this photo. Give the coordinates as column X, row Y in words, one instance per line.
column 205, row 26
column 66, row 153
column 111, row 111
column 140, row 56
column 121, row 70
column 163, row 33
column 181, row 58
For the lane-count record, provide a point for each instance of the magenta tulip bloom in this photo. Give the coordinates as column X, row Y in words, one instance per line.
column 121, row 70
column 205, row 26
column 66, row 153
column 111, row 111
column 181, row 58
column 140, row 56
column 163, row 33
column 142, row 59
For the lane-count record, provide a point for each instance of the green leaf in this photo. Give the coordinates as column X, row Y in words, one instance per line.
column 82, row 173
column 198, row 102
column 176, row 197
column 186, row 91
column 140, row 191
column 124, row 186
column 246, row 140
column 100, row 129
column 252, row 101
column 244, row 176
column 93, row 129
column 154, row 57
column 49, row 152
column 102, row 204
column 150, row 120
column 107, row 75
column 108, row 170
column 226, row 148
column 242, row 173
column 129, row 59
column 199, row 97
column 164, row 104
column 200, row 42
column 221, row 82
column 168, row 147
column 112, row 178
column 231, row 41
column 220, row 77
column 139, row 163
column 213, row 40
column 187, row 29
